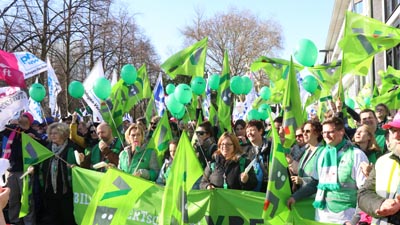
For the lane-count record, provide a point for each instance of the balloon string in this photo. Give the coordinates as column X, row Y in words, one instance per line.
column 194, row 129
column 115, row 125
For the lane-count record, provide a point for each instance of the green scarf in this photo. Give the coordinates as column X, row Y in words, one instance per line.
column 328, row 174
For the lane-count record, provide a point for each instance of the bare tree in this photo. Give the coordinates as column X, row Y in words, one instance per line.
column 242, row 34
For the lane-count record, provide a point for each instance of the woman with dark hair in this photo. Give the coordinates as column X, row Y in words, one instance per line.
column 228, row 168
column 205, row 144
column 168, row 158
column 312, row 133
column 240, row 131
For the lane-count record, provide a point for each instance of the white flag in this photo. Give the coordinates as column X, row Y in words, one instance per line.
column 54, row 89
column 90, row 98
column 159, row 96
column 114, row 78
column 29, row 64
column 12, row 100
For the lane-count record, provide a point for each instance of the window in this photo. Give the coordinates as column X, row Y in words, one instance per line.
column 390, row 7
column 358, row 7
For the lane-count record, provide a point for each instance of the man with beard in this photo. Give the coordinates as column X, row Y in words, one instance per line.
column 379, row 197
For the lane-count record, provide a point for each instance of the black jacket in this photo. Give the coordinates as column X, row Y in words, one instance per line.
column 232, row 170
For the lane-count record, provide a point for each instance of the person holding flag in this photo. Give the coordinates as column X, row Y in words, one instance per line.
column 13, row 152
column 56, row 172
column 136, row 159
column 228, row 169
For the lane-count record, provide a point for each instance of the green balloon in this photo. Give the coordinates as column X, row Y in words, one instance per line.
column 310, row 84
column 198, row 85
column 129, row 73
column 213, row 81
column 170, row 88
column 253, row 115
column 236, row 85
column 37, row 92
column 183, row 93
column 306, row 52
column 247, row 84
column 179, row 115
column 102, row 88
column 76, row 89
column 263, row 111
column 265, row 93
column 173, row 105
column 350, row 103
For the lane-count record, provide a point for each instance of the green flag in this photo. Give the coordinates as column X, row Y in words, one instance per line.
column 389, row 79
column 363, row 38
column 391, row 99
column 291, row 105
column 142, row 74
column 150, row 110
column 32, row 153
column 190, row 61
column 161, row 137
column 278, row 190
column 213, row 115
column 185, row 171
column 111, row 198
column 327, row 74
column 275, row 69
column 224, row 98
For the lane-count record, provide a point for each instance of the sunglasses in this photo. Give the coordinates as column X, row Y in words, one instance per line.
column 299, row 135
column 200, row 133
column 92, row 131
column 307, row 131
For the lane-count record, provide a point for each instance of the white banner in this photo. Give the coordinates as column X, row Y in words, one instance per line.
column 29, row 64
column 54, row 89
column 89, row 96
column 12, row 100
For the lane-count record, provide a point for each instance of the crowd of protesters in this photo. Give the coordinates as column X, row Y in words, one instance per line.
column 330, row 162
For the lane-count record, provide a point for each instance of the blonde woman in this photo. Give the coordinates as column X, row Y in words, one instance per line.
column 136, row 159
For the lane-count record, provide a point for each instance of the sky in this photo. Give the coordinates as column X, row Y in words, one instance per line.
column 162, row 19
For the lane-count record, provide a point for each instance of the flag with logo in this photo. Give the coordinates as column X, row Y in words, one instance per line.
column 275, row 69
column 278, row 190
column 161, row 137
column 224, row 98
column 185, row 171
column 363, row 38
column 190, row 61
column 109, row 203
column 389, row 79
column 159, row 96
column 32, row 153
column 292, row 110
column 54, row 89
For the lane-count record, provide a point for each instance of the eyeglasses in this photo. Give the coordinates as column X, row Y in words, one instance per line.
column 200, row 133
column 92, row 131
column 226, row 144
column 328, row 132
column 299, row 135
column 153, row 123
column 307, row 131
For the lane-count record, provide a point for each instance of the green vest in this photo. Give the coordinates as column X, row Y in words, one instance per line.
column 380, row 139
column 307, row 168
column 128, row 162
column 346, row 196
